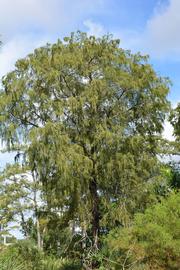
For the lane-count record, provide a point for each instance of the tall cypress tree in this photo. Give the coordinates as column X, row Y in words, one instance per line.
column 90, row 115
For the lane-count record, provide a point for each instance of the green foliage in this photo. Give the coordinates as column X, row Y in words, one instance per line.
column 100, row 106
column 51, row 263
column 20, row 194
column 153, row 240
column 30, row 254
column 9, row 260
column 87, row 117
column 175, row 121
column 174, row 180
column 25, row 256
column 13, row 189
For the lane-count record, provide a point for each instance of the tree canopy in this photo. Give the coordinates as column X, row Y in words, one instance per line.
column 87, row 117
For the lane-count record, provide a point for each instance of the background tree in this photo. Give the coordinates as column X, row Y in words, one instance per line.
column 21, row 203
column 175, row 121
column 91, row 115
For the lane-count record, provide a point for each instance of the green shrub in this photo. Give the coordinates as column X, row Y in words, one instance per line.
column 9, row 260
column 153, row 242
column 52, row 263
column 24, row 255
column 30, row 254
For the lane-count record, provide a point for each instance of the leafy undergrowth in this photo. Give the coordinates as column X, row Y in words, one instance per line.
column 25, row 256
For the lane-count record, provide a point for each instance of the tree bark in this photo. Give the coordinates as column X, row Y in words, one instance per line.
column 39, row 239
column 95, row 213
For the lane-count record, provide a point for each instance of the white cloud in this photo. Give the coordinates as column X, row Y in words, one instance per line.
column 95, row 29
column 160, row 36
column 162, row 31
column 17, row 48
column 20, row 16
column 24, row 23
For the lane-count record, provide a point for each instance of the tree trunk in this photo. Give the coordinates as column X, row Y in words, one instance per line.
column 95, row 213
column 39, row 241
column 24, row 225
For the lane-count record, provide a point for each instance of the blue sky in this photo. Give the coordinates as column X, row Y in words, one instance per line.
column 149, row 26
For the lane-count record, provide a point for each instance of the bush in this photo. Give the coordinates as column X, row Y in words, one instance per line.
column 24, row 256
column 52, row 263
column 9, row 260
column 152, row 242
column 30, row 254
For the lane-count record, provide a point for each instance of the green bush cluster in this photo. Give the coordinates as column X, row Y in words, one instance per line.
column 24, row 255
column 152, row 242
